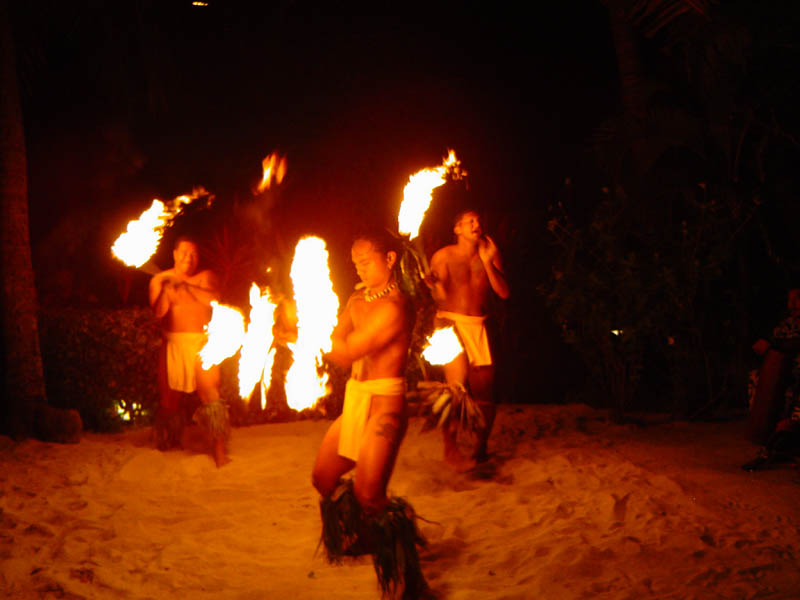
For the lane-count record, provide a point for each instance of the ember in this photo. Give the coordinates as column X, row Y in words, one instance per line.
column 274, row 168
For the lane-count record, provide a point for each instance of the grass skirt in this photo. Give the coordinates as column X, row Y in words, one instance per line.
column 390, row 537
column 213, row 419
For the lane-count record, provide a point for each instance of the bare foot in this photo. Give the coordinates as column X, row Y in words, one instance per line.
column 220, row 456
column 222, row 460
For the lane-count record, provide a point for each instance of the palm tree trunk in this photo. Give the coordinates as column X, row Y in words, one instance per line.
column 23, row 376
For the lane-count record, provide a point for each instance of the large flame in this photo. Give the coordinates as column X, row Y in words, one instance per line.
column 317, row 306
column 225, row 333
column 141, row 238
column 256, row 358
column 418, row 193
column 274, row 168
column 443, row 347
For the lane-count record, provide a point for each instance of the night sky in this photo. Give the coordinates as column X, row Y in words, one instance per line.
column 119, row 112
column 138, row 100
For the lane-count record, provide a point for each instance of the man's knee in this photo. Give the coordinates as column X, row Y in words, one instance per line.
column 323, row 482
column 481, row 380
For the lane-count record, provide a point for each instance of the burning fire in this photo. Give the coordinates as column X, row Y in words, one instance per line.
column 142, row 236
column 274, row 167
column 317, row 307
column 443, row 347
column 418, row 193
column 256, row 358
column 225, row 334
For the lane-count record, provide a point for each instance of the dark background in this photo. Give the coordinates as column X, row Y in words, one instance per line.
column 128, row 101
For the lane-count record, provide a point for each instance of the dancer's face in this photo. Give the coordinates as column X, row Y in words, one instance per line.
column 469, row 226
column 186, row 256
column 373, row 267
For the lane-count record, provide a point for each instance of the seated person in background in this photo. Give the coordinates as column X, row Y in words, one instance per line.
column 770, row 400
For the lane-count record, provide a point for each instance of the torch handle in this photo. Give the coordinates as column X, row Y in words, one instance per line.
column 149, row 268
column 423, row 260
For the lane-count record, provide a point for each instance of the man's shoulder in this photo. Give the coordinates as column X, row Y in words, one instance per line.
column 358, row 293
column 206, row 275
column 392, row 306
column 444, row 253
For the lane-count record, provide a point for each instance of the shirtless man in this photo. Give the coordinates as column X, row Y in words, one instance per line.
column 462, row 276
column 181, row 298
column 372, row 337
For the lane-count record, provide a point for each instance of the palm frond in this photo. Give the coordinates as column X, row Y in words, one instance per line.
column 448, row 405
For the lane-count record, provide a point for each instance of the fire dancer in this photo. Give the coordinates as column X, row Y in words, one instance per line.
column 462, row 275
column 372, row 337
column 181, row 297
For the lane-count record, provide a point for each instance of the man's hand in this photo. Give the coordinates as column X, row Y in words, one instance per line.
column 487, row 250
column 430, row 279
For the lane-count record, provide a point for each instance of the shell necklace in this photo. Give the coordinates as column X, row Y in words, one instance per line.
column 381, row 294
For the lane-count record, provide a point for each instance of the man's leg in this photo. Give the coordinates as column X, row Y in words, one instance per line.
column 329, row 466
column 342, row 518
column 168, row 422
column 481, row 380
column 216, row 419
column 385, row 430
column 390, row 529
column 455, row 373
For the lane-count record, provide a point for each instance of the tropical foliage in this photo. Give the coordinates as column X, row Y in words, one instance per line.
column 656, row 288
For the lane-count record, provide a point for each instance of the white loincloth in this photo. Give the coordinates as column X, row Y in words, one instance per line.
column 182, row 350
column 357, row 401
column 472, row 331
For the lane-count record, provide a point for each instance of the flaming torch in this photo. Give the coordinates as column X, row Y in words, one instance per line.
column 274, row 168
column 225, row 333
column 317, row 307
column 257, row 356
column 141, row 238
column 417, row 197
column 443, row 347
column 418, row 193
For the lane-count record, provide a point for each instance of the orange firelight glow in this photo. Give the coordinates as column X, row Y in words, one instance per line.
column 225, row 333
column 443, row 347
column 317, row 307
column 418, row 193
column 274, row 168
column 257, row 356
column 142, row 236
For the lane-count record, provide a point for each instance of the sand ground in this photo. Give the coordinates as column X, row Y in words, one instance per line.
column 571, row 506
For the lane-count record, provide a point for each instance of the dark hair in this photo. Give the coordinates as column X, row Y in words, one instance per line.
column 460, row 215
column 381, row 240
column 184, row 238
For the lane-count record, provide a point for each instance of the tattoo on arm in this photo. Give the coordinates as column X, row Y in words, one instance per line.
column 389, row 426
